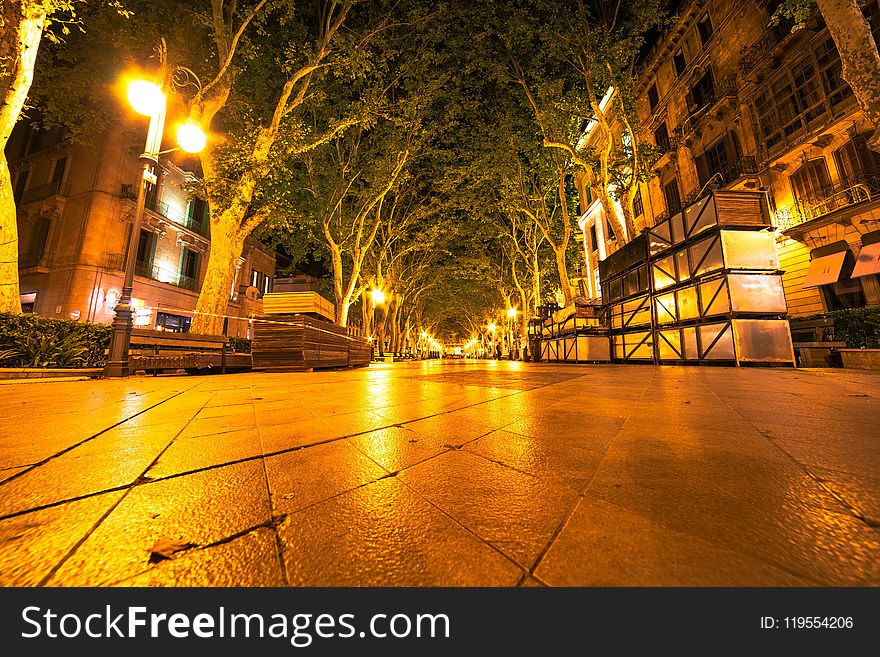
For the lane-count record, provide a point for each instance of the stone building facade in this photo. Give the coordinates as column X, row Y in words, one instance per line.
column 732, row 102
column 76, row 206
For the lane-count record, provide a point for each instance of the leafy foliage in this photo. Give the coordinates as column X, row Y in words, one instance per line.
column 33, row 341
column 859, row 328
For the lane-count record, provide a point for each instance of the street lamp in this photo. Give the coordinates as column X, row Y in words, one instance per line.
column 146, row 98
column 378, row 299
column 511, row 316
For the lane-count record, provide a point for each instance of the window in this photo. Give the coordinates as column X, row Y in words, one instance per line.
column 803, row 97
column 594, row 241
column 653, row 97
column 189, row 267
column 678, row 62
column 673, row 199
column 828, row 60
column 37, row 243
column 197, row 212
column 20, row 185
column 702, row 93
column 261, row 281
column 59, row 171
column 609, row 231
column 638, row 206
column 847, row 293
column 146, row 247
column 661, row 138
column 811, row 181
column 857, row 163
column 704, row 27
column 172, row 323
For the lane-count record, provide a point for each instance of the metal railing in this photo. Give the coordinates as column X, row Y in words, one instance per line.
column 750, row 56
column 148, row 270
column 850, row 192
column 167, row 211
column 726, row 88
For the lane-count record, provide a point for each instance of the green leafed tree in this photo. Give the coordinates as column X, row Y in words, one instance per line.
column 23, row 25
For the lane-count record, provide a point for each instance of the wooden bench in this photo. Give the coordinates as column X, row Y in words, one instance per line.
column 157, row 351
column 813, row 342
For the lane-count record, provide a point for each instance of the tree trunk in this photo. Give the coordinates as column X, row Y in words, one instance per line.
column 10, row 299
column 611, row 213
column 380, row 329
column 562, row 268
column 859, row 56
column 20, row 36
column 214, row 297
column 626, row 204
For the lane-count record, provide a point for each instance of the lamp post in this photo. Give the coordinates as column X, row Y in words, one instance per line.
column 378, row 299
column 148, row 99
column 511, row 316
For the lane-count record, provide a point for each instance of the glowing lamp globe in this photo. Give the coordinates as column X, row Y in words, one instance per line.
column 511, row 312
column 378, row 296
column 146, row 98
column 191, row 137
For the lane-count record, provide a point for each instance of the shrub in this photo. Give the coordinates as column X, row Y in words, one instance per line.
column 240, row 345
column 32, row 341
column 859, row 328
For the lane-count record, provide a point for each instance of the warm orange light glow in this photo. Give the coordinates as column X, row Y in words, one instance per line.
column 191, row 137
column 378, row 296
column 492, row 327
column 146, row 98
column 511, row 312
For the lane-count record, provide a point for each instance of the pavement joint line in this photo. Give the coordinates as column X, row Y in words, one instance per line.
column 48, row 577
column 279, row 544
column 470, row 531
column 36, row 465
column 556, row 532
column 846, row 506
column 274, row 521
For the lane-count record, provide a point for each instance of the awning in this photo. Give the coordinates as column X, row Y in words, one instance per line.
column 868, row 261
column 825, row 269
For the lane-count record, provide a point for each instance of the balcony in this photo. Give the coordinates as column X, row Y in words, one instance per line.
column 41, row 192
column 154, row 273
column 153, row 204
column 850, row 192
column 750, row 57
column 723, row 90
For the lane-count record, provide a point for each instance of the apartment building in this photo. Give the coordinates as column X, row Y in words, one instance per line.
column 76, row 206
column 734, row 103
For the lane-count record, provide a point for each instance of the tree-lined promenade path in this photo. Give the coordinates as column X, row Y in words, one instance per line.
column 444, row 473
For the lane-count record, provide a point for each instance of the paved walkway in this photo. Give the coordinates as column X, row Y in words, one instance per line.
column 452, row 473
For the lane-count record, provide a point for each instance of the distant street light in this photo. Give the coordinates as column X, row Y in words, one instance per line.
column 146, row 98
column 378, row 297
column 511, row 316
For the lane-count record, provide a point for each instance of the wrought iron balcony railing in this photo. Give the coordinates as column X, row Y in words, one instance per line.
column 750, row 56
column 851, row 191
column 148, row 270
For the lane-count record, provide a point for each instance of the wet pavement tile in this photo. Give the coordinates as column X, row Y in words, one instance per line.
column 606, row 545
column 514, row 511
column 304, row 477
column 445, row 473
column 32, row 544
column 249, row 560
column 386, row 535
column 195, row 510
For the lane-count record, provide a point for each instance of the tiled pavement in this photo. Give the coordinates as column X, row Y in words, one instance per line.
column 452, row 473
